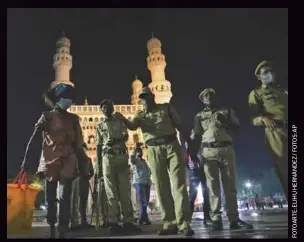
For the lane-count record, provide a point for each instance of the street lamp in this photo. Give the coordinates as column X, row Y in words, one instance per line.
column 248, row 184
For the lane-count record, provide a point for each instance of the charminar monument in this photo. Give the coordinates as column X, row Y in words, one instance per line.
column 90, row 115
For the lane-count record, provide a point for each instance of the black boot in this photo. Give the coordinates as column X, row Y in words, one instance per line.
column 169, row 231
column 52, row 232
column 217, row 226
column 187, row 231
column 240, row 224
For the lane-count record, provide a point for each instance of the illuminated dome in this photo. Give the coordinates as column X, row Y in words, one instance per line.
column 137, row 84
column 63, row 40
column 153, row 43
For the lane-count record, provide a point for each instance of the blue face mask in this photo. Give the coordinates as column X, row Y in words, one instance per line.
column 268, row 78
column 65, row 103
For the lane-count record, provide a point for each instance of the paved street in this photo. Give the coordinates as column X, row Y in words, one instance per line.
column 267, row 224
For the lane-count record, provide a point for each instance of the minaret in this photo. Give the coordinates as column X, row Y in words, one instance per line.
column 62, row 61
column 156, row 64
column 136, row 86
column 86, row 103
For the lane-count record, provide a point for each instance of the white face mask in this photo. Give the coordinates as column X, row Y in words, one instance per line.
column 268, row 78
column 65, row 103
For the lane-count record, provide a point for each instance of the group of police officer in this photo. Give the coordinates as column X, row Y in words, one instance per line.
column 210, row 139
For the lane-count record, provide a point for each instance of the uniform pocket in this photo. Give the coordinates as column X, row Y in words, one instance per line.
column 270, row 99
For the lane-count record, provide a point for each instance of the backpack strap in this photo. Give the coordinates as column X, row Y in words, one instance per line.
column 44, row 120
column 47, row 115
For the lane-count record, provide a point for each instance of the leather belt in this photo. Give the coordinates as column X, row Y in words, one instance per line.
column 161, row 140
column 217, row 144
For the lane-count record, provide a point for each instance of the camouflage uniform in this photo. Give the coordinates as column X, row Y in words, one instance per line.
column 272, row 101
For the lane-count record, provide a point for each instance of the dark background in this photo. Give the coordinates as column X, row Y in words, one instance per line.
column 217, row 48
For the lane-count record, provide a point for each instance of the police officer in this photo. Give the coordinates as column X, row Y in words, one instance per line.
column 211, row 127
column 111, row 135
column 80, row 193
column 158, row 123
column 269, row 108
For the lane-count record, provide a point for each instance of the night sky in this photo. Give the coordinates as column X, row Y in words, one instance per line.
column 217, row 48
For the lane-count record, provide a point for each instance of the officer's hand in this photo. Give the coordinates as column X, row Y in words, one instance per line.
column 118, row 116
column 269, row 123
